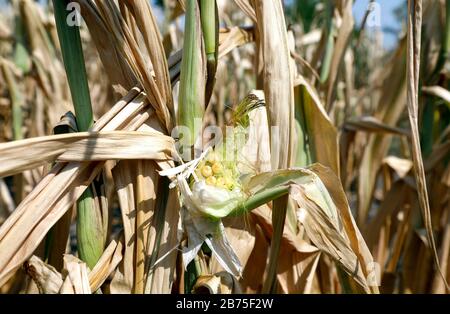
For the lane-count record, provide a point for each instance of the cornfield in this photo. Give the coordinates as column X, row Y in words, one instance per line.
column 223, row 147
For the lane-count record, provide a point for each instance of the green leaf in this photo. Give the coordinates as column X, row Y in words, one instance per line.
column 192, row 81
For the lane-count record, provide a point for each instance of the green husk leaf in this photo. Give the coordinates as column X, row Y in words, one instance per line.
column 192, row 82
column 210, row 26
column 89, row 226
column 73, row 56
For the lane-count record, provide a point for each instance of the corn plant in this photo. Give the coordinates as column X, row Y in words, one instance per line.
column 222, row 147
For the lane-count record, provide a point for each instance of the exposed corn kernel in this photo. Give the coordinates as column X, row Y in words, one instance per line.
column 211, row 181
column 206, row 171
column 217, row 168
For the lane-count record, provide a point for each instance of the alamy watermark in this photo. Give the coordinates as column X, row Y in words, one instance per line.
column 374, row 16
column 74, row 14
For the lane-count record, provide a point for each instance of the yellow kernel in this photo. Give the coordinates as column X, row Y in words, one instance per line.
column 206, row 171
column 217, row 168
column 211, row 181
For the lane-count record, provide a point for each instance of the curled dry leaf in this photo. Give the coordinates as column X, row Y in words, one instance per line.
column 326, row 216
column 46, row 277
column 319, row 134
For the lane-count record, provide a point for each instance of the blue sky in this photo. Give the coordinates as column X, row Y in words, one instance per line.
column 388, row 20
